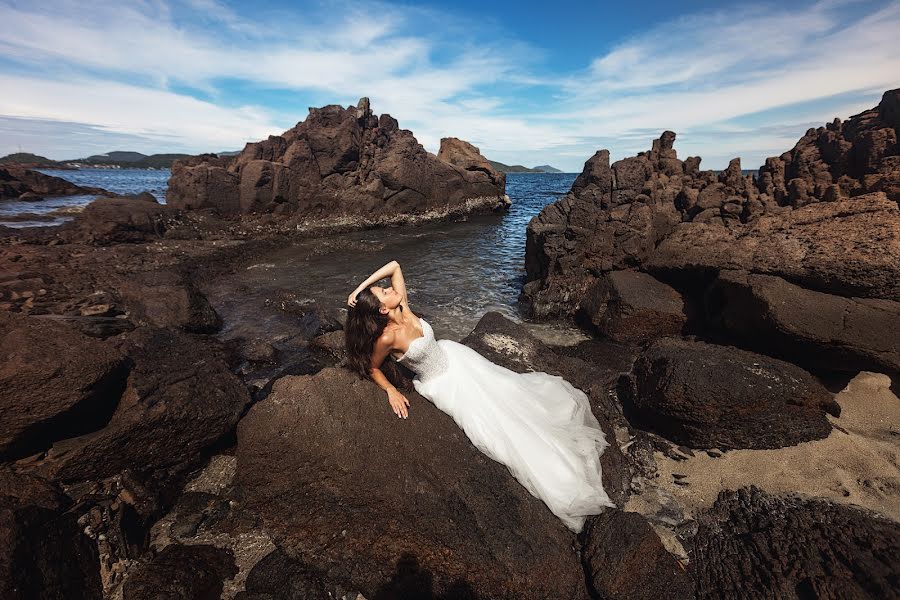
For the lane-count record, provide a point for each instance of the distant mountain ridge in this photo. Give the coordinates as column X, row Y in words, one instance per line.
column 499, row 166
column 117, row 158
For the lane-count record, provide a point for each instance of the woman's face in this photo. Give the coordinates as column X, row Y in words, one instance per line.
column 388, row 297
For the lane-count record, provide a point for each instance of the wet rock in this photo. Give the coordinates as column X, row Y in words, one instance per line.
column 168, row 299
column 180, row 398
column 753, row 544
column 706, row 396
column 16, row 182
column 326, row 464
column 331, row 343
column 625, row 559
column 43, row 553
column 632, row 307
column 55, row 383
column 319, row 320
column 118, row 220
column 807, row 327
column 179, row 572
column 341, row 164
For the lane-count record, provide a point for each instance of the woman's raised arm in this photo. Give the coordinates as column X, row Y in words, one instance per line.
column 387, row 270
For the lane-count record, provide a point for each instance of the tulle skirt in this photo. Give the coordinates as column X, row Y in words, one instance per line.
column 538, row 425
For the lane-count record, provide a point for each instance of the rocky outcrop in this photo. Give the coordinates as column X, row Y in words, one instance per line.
column 54, row 383
column 341, row 483
column 43, row 552
column 25, row 184
column 707, row 396
column 180, row 398
column 632, row 307
column 848, row 248
column 657, row 213
column 817, row 330
column 168, row 299
column 341, row 164
column 751, row 544
column 119, row 219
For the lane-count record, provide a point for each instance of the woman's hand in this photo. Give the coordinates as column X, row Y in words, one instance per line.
column 351, row 299
column 399, row 403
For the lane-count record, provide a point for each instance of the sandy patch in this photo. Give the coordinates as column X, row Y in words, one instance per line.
column 859, row 463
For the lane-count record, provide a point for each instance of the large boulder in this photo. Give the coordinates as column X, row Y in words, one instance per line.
column 625, row 560
column 180, row 398
column 849, row 247
column 55, row 383
column 43, row 552
column 178, row 572
column 19, row 182
column 343, row 164
column 632, row 307
column 343, row 484
column 810, row 328
column 120, row 219
column 707, row 396
column 751, row 544
column 168, row 299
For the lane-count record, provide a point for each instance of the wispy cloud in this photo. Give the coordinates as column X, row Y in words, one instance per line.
column 167, row 73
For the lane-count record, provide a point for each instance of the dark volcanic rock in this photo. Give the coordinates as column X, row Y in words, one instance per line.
column 624, row 559
column 181, row 572
column 180, row 398
column 343, row 484
column 278, row 577
column 16, row 182
column 43, row 553
column 54, row 383
column 849, row 247
column 706, row 396
column 633, row 307
column 121, row 219
column 754, row 545
column 806, row 327
column 342, row 164
column 168, row 299
column 661, row 215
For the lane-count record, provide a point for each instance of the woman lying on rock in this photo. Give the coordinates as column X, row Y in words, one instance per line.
column 538, row 425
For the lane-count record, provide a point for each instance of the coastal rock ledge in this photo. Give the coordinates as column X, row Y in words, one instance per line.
column 342, row 166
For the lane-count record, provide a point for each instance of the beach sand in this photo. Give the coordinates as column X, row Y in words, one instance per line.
column 858, row 463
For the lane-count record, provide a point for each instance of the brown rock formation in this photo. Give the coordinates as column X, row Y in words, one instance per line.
column 25, row 184
column 657, row 213
column 54, row 383
column 808, row 328
column 341, row 163
column 341, row 483
column 751, row 544
column 706, row 396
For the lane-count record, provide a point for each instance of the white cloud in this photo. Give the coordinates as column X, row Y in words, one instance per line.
column 125, row 69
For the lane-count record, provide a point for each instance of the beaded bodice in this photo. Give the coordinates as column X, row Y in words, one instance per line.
column 424, row 355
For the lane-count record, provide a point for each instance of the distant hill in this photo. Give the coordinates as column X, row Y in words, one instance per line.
column 28, row 159
column 130, row 160
column 520, row 169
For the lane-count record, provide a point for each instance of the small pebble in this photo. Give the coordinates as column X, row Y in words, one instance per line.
column 713, row 453
column 680, row 482
column 678, row 476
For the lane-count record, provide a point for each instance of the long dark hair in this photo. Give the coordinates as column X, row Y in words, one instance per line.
column 365, row 324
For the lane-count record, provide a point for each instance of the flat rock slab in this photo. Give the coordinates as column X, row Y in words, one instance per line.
column 754, row 545
column 345, row 485
column 848, row 248
column 707, row 396
column 811, row 328
column 54, row 383
column 631, row 307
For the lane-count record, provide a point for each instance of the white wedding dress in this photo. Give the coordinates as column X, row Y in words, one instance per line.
column 539, row 425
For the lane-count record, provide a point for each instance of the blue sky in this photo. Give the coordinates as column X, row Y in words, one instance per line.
column 528, row 83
